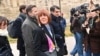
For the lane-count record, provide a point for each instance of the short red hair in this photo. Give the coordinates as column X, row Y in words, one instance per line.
column 44, row 12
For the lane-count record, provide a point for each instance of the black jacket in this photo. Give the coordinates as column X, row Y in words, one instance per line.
column 18, row 23
column 59, row 33
column 5, row 43
column 44, row 29
column 58, row 30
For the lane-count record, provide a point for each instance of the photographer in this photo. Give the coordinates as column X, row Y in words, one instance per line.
column 92, row 39
column 78, row 17
column 77, row 31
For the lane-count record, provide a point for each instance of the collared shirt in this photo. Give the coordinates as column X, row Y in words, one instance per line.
column 49, row 29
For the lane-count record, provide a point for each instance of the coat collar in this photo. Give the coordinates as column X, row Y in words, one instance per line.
column 54, row 18
column 33, row 19
column 22, row 15
column 47, row 32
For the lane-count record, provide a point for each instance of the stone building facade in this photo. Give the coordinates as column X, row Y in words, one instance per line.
column 9, row 8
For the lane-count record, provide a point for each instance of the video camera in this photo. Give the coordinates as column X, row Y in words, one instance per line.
column 83, row 8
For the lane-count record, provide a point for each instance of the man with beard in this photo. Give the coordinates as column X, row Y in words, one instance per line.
column 32, row 33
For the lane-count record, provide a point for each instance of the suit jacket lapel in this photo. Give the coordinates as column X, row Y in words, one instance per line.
column 53, row 36
column 47, row 32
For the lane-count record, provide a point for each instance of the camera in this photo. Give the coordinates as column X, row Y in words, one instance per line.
column 83, row 9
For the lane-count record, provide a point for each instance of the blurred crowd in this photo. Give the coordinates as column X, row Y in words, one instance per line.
column 42, row 33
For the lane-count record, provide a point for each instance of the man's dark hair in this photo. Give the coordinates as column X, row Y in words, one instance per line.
column 22, row 7
column 29, row 8
column 52, row 8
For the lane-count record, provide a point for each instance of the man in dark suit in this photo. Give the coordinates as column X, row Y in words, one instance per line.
column 58, row 30
column 17, row 23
